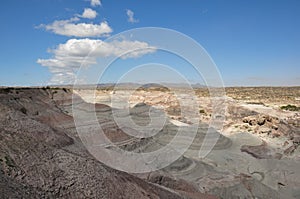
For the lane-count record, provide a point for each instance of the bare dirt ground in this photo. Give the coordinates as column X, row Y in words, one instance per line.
column 257, row 154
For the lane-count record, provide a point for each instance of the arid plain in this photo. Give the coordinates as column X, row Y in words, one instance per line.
column 256, row 156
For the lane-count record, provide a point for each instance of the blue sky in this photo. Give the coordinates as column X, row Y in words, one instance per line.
column 251, row 42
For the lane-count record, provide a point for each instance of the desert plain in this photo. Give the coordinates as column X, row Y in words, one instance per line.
column 42, row 155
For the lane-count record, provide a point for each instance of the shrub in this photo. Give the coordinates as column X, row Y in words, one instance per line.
column 201, row 111
column 290, row 108
column 5, row 90
column 9, row 162
column 23, row 110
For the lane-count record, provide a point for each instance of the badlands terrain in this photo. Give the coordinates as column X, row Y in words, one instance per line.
column 42, row 155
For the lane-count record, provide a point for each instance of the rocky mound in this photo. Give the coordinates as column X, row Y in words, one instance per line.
column 41, row 157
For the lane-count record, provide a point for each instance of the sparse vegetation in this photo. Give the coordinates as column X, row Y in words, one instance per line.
column 290, row 107
column 153, row 87
column 202, row 111
column 8, row 161
column 256, row 103
column 5, row 90
column 23, row 110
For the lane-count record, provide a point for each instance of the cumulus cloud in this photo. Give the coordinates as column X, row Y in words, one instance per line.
column 73, row 54
column 130, row 15
column 95, row 3
column 70, row 28
column 89, row 13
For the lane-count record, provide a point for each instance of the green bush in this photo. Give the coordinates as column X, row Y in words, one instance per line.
column 290, row 108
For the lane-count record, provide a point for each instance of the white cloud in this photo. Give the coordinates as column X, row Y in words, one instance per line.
column 130, row 15
column 69, row 28
column 95, row 3
column 73, row 54
column 89, row 13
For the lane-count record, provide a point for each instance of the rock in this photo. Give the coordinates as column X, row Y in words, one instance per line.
column 276, row 134
column 296, row 139
column 179, row 185
column 260, row 152
column 261, row 120
column 285, row 143
column 275, row 127
column 290, row 150
column 249, row 188
column 251, row 120
column 264, row 130
column 278, row 156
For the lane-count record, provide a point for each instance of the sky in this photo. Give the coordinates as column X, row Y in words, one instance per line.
column 252, row 43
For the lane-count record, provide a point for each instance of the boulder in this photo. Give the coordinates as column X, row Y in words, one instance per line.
column 264, row 130
column 262, row 151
